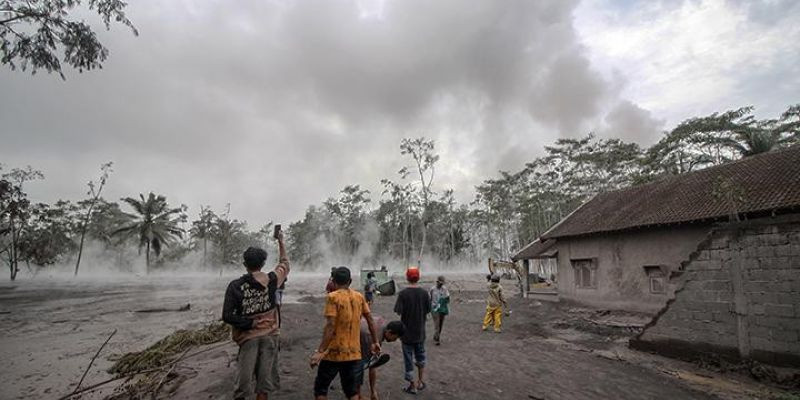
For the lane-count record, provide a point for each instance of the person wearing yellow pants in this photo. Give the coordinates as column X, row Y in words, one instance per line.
column 494, row 305
column 493, row 314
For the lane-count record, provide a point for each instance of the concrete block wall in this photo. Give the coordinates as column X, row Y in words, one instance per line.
column 738, row 297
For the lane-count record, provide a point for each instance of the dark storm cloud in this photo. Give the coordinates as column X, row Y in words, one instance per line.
column 271, row 106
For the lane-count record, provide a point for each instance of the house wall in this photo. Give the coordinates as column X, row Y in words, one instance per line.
column 622, row 282
column 738, row 297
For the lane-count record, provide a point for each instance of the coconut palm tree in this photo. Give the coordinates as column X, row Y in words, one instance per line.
column 752, row 141
column 154, row 222
column 739, row 132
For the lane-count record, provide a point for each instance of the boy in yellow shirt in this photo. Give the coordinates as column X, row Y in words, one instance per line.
column 339, row 353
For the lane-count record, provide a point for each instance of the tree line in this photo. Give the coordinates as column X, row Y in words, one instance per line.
column 412, row 220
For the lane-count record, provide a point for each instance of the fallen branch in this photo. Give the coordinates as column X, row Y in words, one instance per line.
column 92, row 361
column 164, row 378
column 107, row 381
column 170, row 347
column 155, row 310
column 134, row 373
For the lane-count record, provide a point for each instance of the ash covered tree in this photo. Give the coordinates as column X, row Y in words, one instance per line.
column 154, row 223
column 721, row 137
column 202, row 228
column 397, row 210
column 15, row 211
column 95, row 190
column 423, row 153
column 228, row 236
column 49, row 235
column 349, row 211
column 741, row 133
column 304, row 236
column 48, row 34
column 106, row 219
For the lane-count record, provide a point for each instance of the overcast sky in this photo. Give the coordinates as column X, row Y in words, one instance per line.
column 274, row 105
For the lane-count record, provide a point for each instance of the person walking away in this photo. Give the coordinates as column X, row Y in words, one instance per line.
column 370, row 287
column 339, row 352
column 388, row 333
column 440, row 307
column 494, row 305
column 250, row 307
column 413, row 305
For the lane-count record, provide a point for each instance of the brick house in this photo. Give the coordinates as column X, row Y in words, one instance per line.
column 721, row 244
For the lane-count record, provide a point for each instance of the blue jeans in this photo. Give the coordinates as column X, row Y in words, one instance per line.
column 411, row 352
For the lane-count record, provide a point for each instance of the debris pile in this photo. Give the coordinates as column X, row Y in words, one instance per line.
column 165, row 350
column 154, row 361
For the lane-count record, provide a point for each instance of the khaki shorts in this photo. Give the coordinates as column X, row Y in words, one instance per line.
column 257, row 364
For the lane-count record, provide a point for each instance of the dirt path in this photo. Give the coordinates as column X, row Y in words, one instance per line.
column 521, row 363
column 546, row 351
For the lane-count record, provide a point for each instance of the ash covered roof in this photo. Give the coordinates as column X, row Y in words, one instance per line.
column 536, row 249
column 761, row 183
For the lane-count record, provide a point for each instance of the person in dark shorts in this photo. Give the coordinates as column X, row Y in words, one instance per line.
column 371, row 287
column 413, row 306
column 251, row 308
column 339, row 352
column 388, row 333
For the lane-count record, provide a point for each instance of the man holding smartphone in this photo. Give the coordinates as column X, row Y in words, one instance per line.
column 251, row 308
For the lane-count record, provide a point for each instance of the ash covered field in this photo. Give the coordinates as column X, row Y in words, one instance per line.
column 52, row 327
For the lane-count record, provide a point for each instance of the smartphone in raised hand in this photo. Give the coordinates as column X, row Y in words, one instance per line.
column 276, row 232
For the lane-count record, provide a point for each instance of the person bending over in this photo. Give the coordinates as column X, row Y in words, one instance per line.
column 387, row 333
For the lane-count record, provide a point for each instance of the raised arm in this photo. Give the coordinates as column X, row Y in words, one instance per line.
column 282, row 269
column 283, row 257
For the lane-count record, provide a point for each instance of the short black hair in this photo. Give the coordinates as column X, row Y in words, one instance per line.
column 341, row 276
column 254, row 258
column 370, row 274
column 396, row 327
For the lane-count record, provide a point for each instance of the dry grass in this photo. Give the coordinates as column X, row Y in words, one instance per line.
column 168, row 350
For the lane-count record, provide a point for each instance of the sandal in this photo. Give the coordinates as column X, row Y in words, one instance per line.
column 410, row 389
column 421, row 386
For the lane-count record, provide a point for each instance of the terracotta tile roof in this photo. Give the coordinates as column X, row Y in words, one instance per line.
column 762, row 183
column 537, row 249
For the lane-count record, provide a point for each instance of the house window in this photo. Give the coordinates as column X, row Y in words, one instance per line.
column 585, row 273
column 657, row 278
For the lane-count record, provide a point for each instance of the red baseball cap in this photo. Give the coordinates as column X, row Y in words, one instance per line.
column 412, row 274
